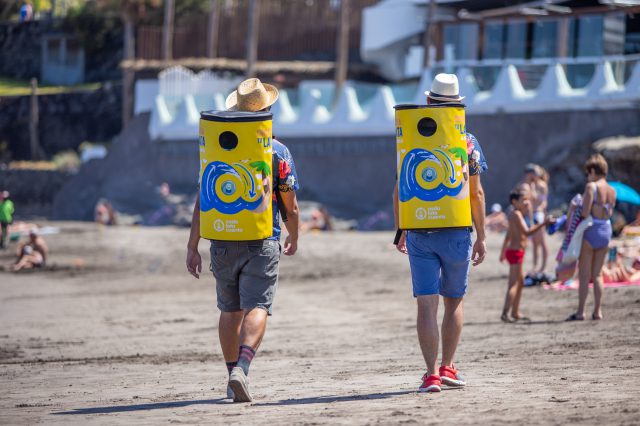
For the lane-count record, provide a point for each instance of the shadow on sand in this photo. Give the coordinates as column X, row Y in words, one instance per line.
column 498, row 322
column 144, row 407
column 221, row 401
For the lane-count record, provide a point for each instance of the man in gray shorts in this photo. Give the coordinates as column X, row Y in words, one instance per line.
column 246, row 272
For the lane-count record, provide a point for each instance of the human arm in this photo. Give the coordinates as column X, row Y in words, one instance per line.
column 478, row 214
column 194, row 261
column 19, row 249
column 528, row 231
column 290, row 205
column 401, row 245
column 507, row 240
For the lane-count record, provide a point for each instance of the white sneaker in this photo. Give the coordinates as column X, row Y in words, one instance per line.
column 230, row 394
column 239, row 384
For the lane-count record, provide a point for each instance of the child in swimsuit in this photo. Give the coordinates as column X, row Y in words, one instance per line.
column 513, row 250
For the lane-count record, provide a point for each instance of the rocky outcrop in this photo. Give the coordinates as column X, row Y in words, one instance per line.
column 623, row 156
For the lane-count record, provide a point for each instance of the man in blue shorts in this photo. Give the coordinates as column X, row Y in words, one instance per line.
column 440, row 260
column 246, row 272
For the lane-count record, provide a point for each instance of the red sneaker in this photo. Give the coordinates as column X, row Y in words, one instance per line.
column 451, row 377
column 430, row 384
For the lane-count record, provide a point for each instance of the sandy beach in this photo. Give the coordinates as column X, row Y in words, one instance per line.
column 116, row 332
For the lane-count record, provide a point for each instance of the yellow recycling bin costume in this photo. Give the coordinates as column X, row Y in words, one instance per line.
column 433, row 166
column 235, row 175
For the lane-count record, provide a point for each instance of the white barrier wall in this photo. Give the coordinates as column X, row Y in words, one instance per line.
column 177, row 97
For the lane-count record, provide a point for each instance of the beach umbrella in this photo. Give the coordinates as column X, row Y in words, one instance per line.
column 625, row 193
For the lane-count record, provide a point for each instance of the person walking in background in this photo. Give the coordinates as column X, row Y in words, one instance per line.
column 513, row 249
column 6, row 217
column 246, row 272
column 540, row 195
column 440, row 259
column 599, row 198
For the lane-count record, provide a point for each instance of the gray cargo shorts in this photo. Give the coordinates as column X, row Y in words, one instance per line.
column 246, row 273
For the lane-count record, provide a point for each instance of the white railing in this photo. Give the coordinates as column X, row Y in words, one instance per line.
column 176, row 104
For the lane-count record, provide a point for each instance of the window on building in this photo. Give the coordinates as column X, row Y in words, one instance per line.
column 461, row 40
column 632, row 39
column 516, row 45
column 589, row 41
column 545, row 39
column 493, row 40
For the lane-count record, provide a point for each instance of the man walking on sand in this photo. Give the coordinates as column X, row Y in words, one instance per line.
column 440, row 259
column 246, row 272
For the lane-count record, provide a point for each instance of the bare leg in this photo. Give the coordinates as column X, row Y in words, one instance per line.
column 253, row 327
column 451, row 328
column 427, row 325
column 515, row 308
column 584, row 275
column 229, row 334
column 596, row 272
column 27, row 261
column 536, row 245
column 514, row 271
column 541, row 243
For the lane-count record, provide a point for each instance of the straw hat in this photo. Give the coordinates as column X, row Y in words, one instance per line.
column 252, row 95
column 445, row 88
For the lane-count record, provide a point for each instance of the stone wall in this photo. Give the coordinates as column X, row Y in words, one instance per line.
column 66, row 119
column 21, row 55
column 32, row 191
column 20, row 48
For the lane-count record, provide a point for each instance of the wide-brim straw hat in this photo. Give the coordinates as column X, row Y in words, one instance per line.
column 252, row 95
column 445, row 88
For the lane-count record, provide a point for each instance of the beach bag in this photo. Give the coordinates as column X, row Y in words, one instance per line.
column 573, row 250
column 571, row 225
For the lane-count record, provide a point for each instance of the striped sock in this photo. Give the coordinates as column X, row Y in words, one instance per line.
column 246, row 356
column 230, row 366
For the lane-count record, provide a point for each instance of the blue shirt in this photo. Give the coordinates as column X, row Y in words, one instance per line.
column 477, row 162
column 285, row 179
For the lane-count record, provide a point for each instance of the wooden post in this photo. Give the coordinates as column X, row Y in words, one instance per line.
column 252, row 38
column 342, row 50
column 127, row 74
column 167, row 30
column 212, row 29
column 34, row 143
column 428, row 29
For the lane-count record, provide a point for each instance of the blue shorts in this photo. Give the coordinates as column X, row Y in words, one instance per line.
column 440, row 262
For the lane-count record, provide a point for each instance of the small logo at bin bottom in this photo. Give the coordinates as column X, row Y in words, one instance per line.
column 421, row 213
column 218, row 225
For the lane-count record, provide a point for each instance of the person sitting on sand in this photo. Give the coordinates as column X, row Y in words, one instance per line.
column 32, row 253
column 320, row 221
column 497, row 220
column 513, row 249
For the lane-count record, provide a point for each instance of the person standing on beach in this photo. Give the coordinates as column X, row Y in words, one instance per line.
column 6, row 217
column 599, row 199
column 246, row 272
column 539, row 183
column 513, row 249
column 440, row 259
